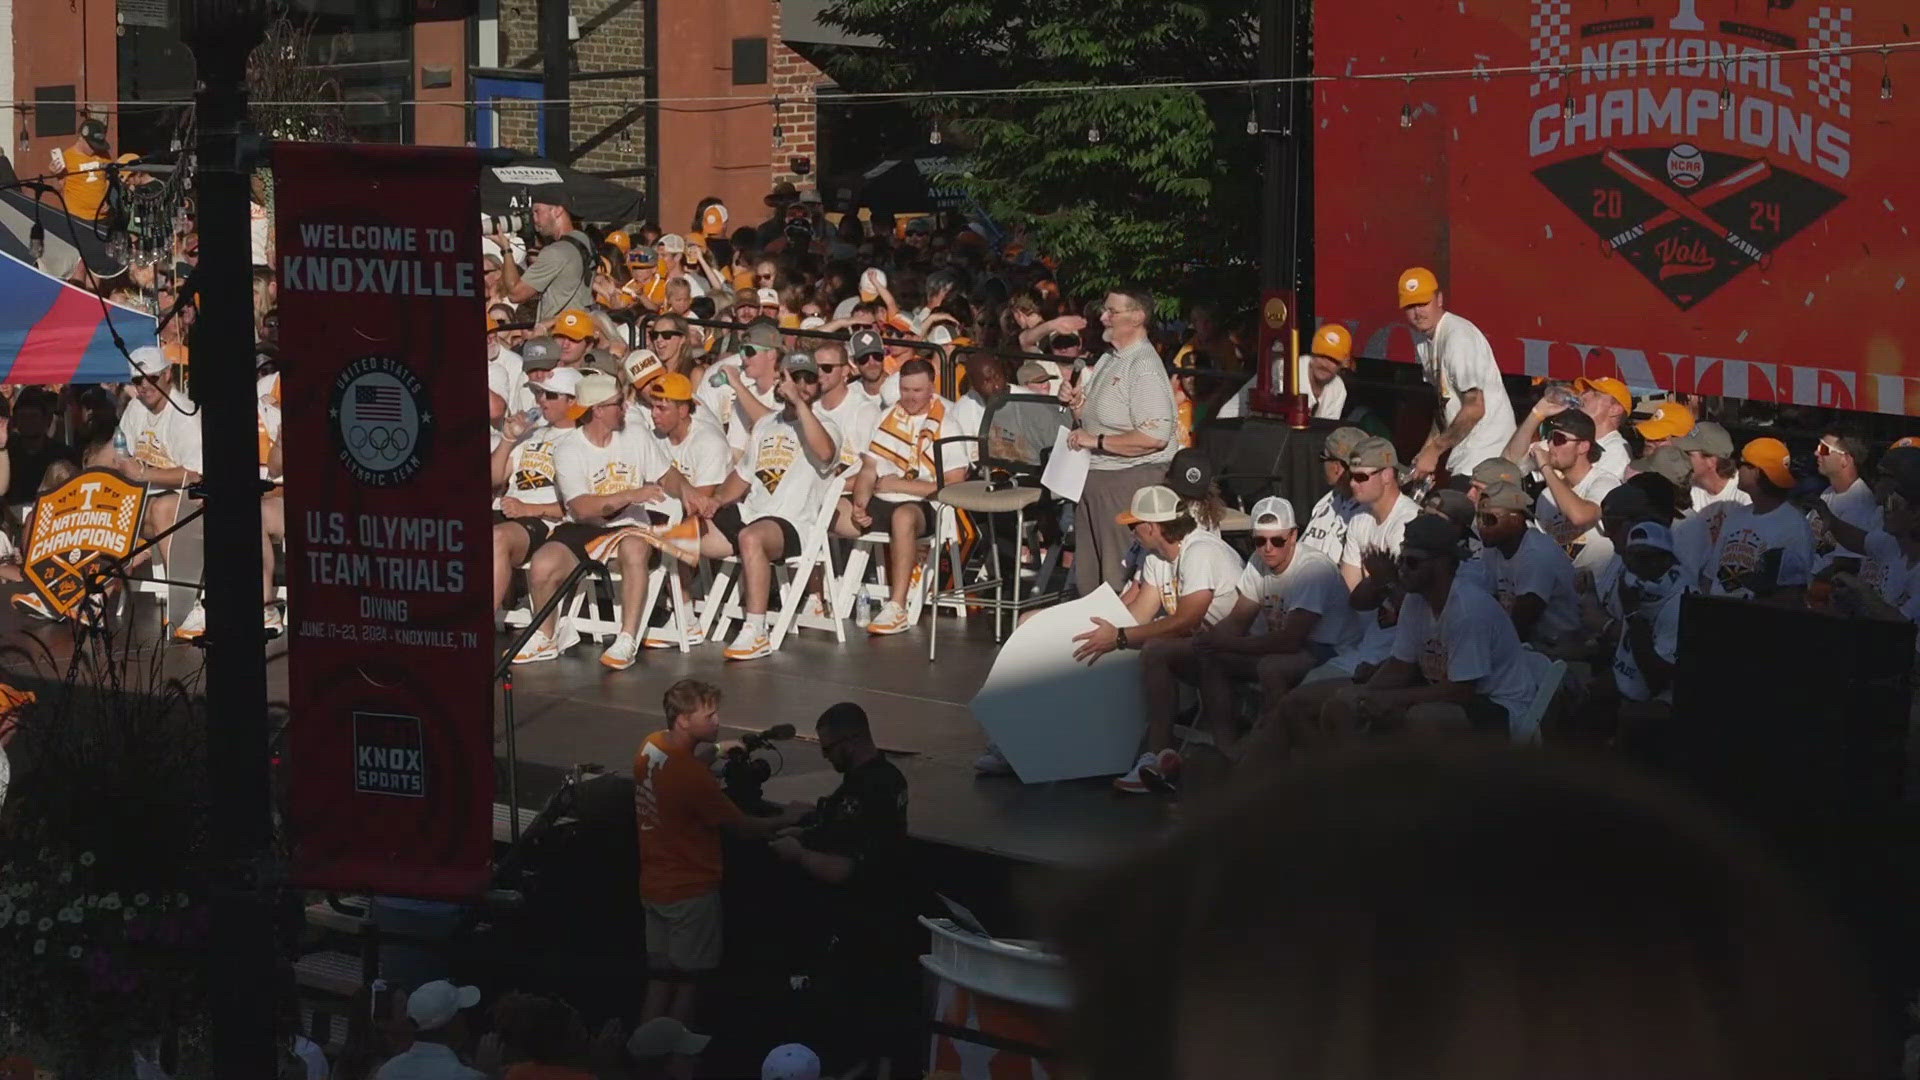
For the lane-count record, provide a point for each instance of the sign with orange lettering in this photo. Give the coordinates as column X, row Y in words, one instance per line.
column 91, row 519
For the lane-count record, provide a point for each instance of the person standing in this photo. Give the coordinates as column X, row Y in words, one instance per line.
column 561, row 275
column 1321, row 379
column 681, row 811
column 1125, row 409
column 1475, row 419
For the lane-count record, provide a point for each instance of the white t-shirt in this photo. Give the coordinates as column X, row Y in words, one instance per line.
column 782, row 478
column 631, row 458
column 1731, row 493
column 267, row 415
column 719, row 400
column 1886, row 568
column 1693, row 539
column 507, row 378
column 168, row 439
column 1311, row 582
column 1472, row 642
column 1614, row 455
column 1457, row 358
column 855, row 416
column 1747, row 536
column 1589, row 548
column 1329, row 403
column 1366, row 533
column 1539, row 568
column 532, row 475
column 949, row 427
column 703, row 457
column 1204, row 562
column 1627, row 676
column 1326, row 530
column 1857, row 507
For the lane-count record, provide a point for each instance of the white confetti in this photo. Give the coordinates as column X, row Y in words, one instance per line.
column 1742, row 339
column 1324, row 122
column 1539, row 320
column 1888, row 203
column 1473, row 104
column 1549, row 229
column 1456, row 134
column 1463, row 7
column 1809, row 300
column 1901, row 283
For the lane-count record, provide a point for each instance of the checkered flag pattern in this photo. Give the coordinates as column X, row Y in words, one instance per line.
column 1830, row 78
column 1551, row 44
column 124, row 522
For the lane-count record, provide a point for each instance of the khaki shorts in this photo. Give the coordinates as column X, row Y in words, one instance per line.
column 684, row 934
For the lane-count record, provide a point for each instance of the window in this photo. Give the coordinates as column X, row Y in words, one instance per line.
column 53, row 111
column 750, row 61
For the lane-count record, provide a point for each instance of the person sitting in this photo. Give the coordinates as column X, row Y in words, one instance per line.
column 1765, row 549
column 1528, row 574
column 1327, row 524
column 441, row 1035
column 1457, row 664
column 523, row 473
column 1290, row 616
column 898, row 469
column 739, row 389
column 1201, row 591
column 1568, row 508
column 616, row 483
column 1639, row 681
column 692, row 441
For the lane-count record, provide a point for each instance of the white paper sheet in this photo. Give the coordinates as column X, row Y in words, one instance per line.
column 1066, row 473
column 1053, row 718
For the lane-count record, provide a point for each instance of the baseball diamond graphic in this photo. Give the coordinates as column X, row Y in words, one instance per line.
column 1688, row 230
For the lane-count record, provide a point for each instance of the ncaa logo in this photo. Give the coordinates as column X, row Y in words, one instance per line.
column 1685, row 166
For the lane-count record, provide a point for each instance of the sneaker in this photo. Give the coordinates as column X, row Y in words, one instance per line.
column 665, row 637
column 193, row 626
column 538, row 647
column 29, row 603
column 619, row 655
column 750, row 644
column 992, row 762
column 568, row 638
column 1151, row 773
column 1167, row 764
column 814, row 608
column 275, row 623
column 891, row 620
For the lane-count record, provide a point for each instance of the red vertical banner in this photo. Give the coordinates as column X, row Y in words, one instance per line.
column 389, row 663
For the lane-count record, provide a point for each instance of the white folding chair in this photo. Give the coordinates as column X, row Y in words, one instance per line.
column 1548, row 674
column 722, row 607
column 869, row 551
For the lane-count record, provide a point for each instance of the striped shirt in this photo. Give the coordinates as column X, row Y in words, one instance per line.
column 1128, row 390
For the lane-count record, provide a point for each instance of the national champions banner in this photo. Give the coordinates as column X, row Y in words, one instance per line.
column 1691, row 214
column 389, row 533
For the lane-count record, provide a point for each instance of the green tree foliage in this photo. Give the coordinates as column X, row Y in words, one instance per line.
column 1166, row 196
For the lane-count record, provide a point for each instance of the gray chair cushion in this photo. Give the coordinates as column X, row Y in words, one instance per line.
column 1236, row 521
column 974, row 496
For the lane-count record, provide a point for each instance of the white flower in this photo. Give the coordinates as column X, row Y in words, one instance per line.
column 23, row 918
column 40, row 947
column 128, row 914
column 45, row 924
column 111, row 901
column 66, row 877
column 86, row 858
column 180, row 899
column 73, row 952
column 92, row 900
column 140, row 899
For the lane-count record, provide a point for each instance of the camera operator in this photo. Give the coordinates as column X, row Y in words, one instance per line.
column 681, row 811
column 855, row 847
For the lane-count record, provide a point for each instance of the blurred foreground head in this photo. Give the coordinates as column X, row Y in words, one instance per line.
column 1442, row 913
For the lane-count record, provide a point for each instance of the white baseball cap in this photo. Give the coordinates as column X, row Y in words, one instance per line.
column 790, row 1062
column 435, row 1004
column 1151, row 504
column 564, row 380
column 596, row 388
column 1273, row 513
column 664, row 1035
column 148, row 360
column 673, row 243
column 642, row 367
column 769, row 298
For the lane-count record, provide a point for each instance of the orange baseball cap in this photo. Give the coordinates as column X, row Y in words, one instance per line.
column 492, row 324
column 1613, row 388
column 1333, row 342
column 619, row 238
column 674, row 387
column 1417, row 286
column 713, row 220
column 1770, row 457
column 573, row 323
column 1906, row 442
column 1670, row 421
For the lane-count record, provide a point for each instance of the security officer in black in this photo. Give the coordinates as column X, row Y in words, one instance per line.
column 856, row 848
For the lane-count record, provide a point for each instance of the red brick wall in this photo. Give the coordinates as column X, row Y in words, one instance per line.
column 793, row 80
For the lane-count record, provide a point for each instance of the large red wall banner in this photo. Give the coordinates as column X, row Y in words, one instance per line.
column 1692, row 215
column 389, row 549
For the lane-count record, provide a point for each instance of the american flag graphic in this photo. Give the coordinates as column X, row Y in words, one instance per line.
column 377, row 403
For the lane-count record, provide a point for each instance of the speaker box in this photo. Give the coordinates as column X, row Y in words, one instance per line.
column 1784, row 713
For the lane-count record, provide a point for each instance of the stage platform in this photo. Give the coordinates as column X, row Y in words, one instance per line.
column 572, row 711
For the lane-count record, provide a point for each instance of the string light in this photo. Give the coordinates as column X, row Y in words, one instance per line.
column 1726, row 91
column 1093, row 132
column 933, row 135
column 779, row 137
column 1567, row 108
column 1406, row 110
column 1253, row 112
column 1886, row 78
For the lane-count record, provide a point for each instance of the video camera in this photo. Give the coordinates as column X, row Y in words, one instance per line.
column 743, row 774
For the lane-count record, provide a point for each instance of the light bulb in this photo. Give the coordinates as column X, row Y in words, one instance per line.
column 933, row 136
column 1726, row 99
column 1253, row 123
column 779, row 139
column 1567, row 108
column 1406, row 115
column 1093, row 133
column 1886, row 88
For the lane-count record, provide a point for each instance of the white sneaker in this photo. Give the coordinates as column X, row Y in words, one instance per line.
column 193, row 626
column 891, row 620
column 814, row 608
column 538, row 647
column 619, row 655
column 750, row 644
column 1134, row 783
column 569, row 636
column 275, row 623
column 992, row 762
column 665, row 637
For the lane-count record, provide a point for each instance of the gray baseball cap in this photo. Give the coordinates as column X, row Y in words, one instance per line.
column 799, row 361
column 1707, row 437
column 864, row 343
column 539, row 354
column 762, row 334
column 1668, row 462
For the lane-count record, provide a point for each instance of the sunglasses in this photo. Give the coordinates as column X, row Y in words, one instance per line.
column 1824, row 450
column 1270, row 541
column 831, row 367
column 803, row 376
column 1412, row 562
column 666, row 334
column 548, row 395
column 870, row 358
column 1560, row 438
column 1360, row 477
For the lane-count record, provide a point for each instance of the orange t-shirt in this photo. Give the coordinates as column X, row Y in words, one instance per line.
column 84, row 186
column 680, row 808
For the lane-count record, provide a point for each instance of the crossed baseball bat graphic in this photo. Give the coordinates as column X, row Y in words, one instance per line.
column 1679, row 206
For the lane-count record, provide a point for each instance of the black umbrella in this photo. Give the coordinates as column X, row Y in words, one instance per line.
column 589, row 197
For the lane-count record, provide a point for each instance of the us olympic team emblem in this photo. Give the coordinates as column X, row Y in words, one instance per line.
column 381, row 423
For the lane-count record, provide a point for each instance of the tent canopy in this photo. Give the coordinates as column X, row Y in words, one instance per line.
column 52, row 332
column 590, row 197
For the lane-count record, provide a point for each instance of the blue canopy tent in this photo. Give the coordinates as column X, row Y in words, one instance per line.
column 52, row 332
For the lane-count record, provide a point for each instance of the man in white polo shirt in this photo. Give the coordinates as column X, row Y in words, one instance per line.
column 1475, row 419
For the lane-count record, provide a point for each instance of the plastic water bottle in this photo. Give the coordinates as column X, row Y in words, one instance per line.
column 532, row 415
column 120, row 443
column 863, row 609
column 717, row 379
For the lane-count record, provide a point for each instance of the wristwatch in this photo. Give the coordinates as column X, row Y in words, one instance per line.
column 1100, row 443
column 1120, row 638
